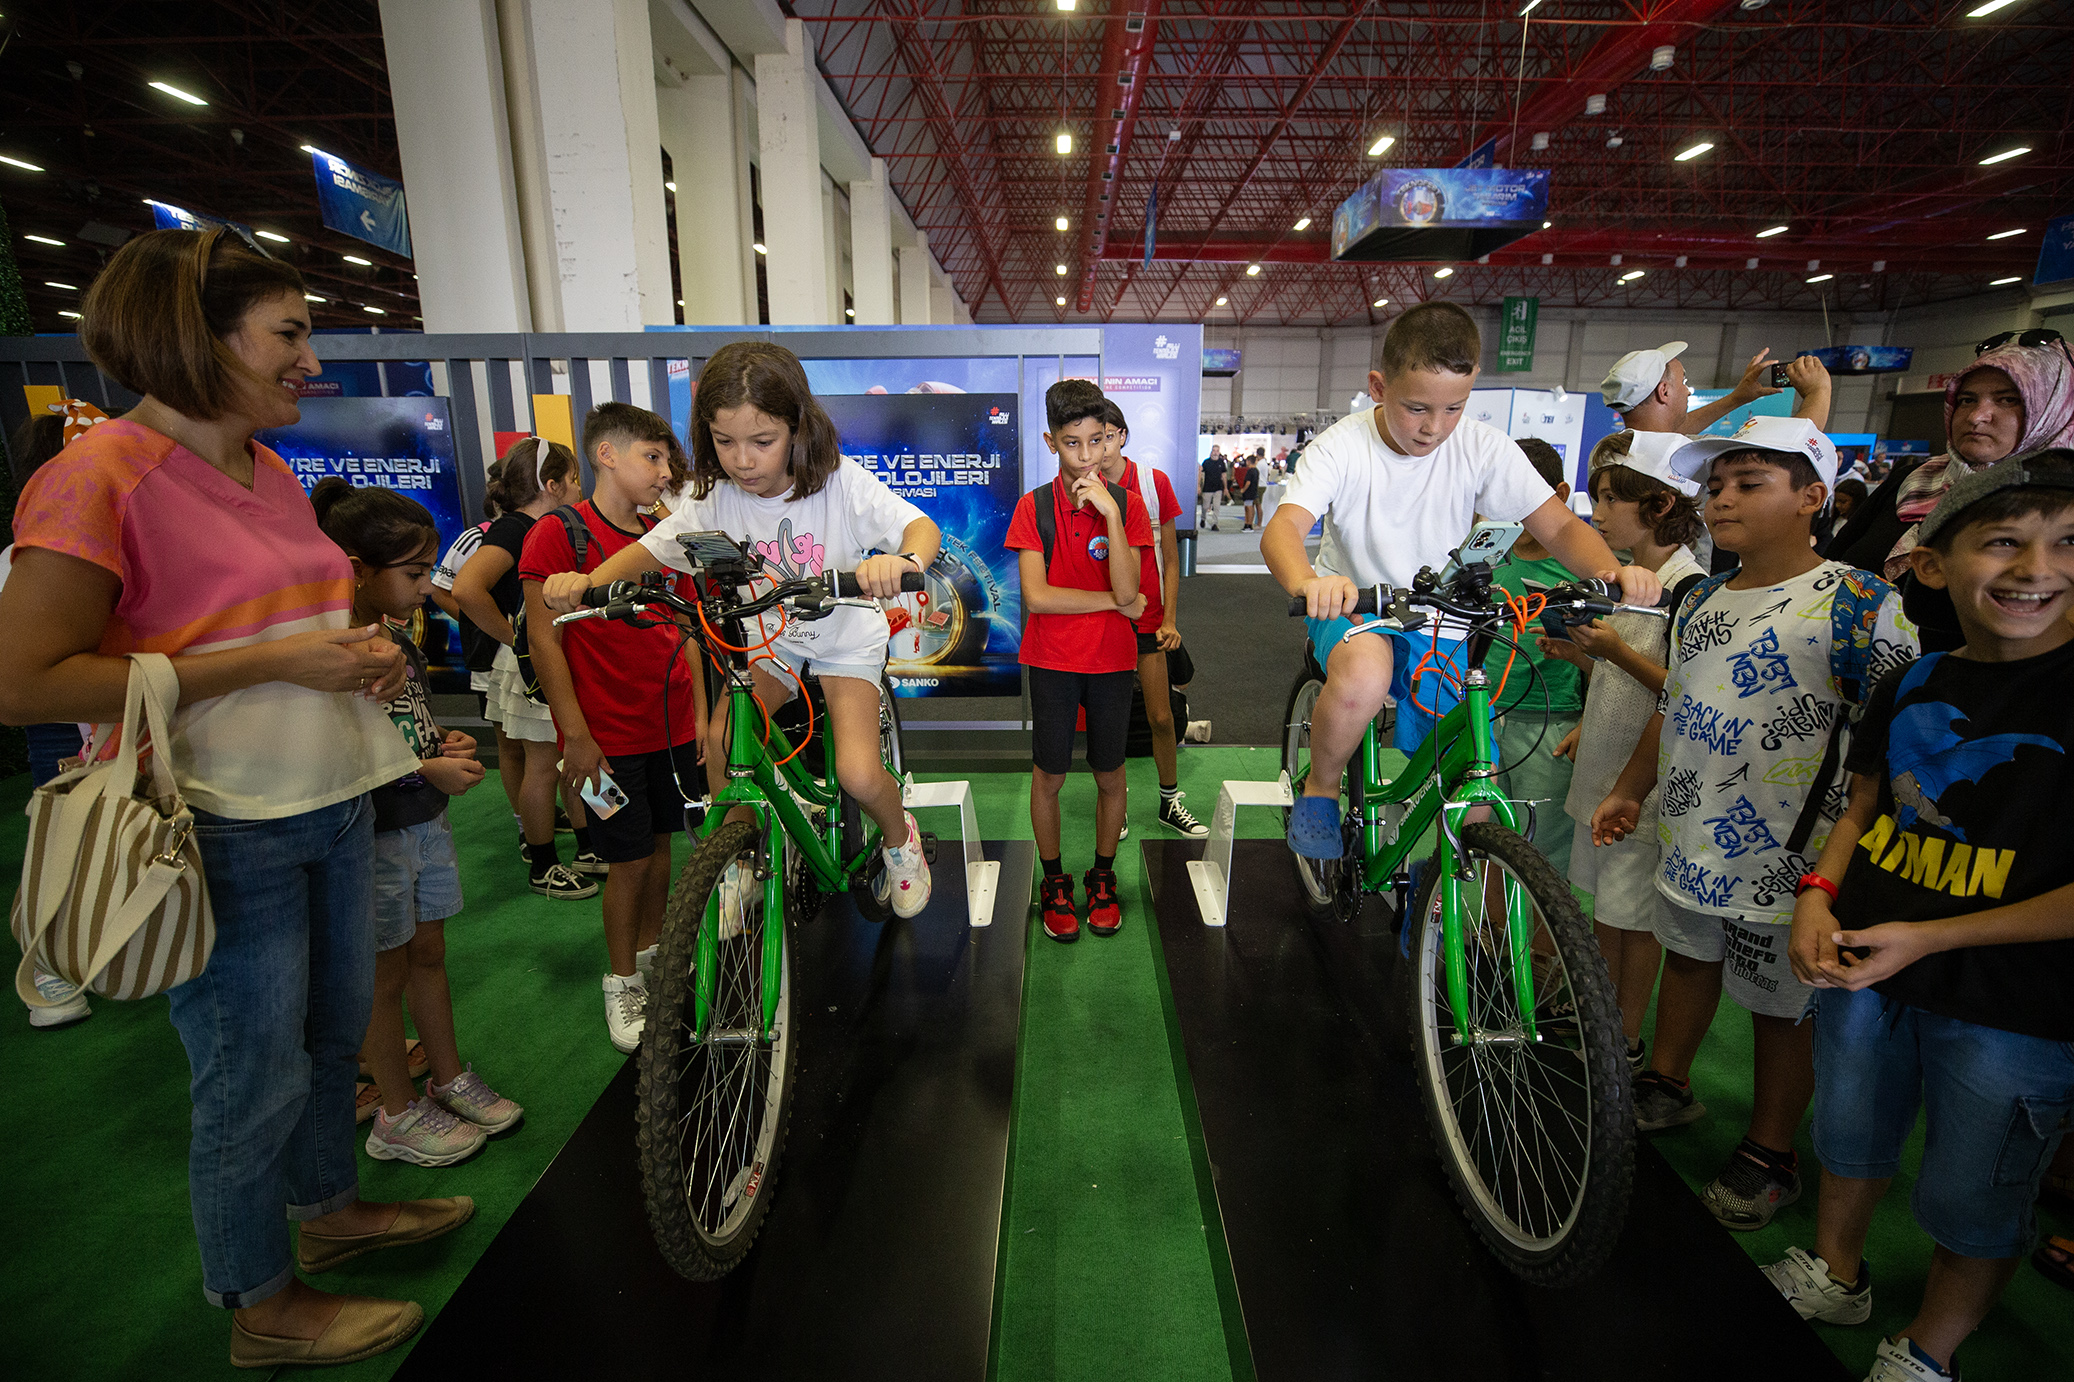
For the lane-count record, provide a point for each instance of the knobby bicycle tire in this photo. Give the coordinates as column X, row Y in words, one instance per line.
column 687, row 1176
column 1565, row 1097
column 1317, row 880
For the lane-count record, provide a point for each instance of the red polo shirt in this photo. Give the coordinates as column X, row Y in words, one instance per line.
column 1148, row 574
column 1101, row 642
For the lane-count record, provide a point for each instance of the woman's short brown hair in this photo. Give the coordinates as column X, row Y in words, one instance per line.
column 770, row 379
column 155, row 318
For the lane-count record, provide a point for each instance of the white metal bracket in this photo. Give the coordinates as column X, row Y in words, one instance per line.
column 982, row 876
column 1211, row 874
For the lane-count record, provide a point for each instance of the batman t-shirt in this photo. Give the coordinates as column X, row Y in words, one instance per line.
column 1975, row 778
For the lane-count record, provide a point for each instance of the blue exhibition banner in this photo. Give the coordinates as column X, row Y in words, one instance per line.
column 956, row 457
column 2056, row 255
column 1858, row 359
column 362, row 203
column 1441, row 197
column 404, row 444
column 166, row 216
column 1153, row 373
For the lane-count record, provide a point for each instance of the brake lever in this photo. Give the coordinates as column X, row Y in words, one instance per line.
column 575, row 615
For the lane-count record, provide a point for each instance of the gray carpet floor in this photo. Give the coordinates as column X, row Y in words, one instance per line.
column 1247, row 652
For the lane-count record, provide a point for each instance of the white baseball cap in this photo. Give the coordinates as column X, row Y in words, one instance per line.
column 1788, row 436
column 1650, row 453
column 1635, row 375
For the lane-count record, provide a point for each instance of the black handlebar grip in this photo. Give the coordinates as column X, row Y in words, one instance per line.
column 599, row 596
column 846, row 587
column 1364, row 605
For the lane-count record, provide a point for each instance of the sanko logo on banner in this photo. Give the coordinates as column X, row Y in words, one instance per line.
column 362, row 204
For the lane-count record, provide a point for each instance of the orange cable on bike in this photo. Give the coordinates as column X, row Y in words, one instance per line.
column 805, row 699
column 718, row 641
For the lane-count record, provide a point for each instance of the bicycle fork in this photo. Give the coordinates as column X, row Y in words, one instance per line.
column 1455, row 872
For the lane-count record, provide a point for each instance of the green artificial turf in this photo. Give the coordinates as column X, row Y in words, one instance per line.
column 1110, row 1259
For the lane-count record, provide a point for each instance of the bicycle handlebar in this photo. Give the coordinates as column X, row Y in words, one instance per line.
column 1585, row 597
column 810, row 595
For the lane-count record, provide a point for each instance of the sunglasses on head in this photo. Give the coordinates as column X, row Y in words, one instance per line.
column 2037, row 336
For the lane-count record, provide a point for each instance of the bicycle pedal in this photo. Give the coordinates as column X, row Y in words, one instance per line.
column 929, row 845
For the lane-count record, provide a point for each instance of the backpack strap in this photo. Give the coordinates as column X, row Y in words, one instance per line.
column 1692, row 593
column 1045, row 507
column 579, row 533
column 1853, row 611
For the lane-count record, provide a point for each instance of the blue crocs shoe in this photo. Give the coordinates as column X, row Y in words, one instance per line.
column 1314, row 828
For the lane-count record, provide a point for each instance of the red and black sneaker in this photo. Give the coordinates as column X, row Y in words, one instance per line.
column 1055, row 897
column 1104, row 910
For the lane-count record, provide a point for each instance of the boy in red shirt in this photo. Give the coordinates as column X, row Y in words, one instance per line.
column 1080, row 643
column 1159, row 579
column 601, row 679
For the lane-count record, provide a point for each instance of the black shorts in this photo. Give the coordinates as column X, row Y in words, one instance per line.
column 1148, row 643
column 1055, row 702
column 653, row 807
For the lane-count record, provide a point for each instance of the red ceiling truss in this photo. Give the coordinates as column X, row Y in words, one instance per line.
column 1857, row 123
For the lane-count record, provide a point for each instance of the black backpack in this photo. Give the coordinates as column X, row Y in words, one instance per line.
column 579, row 542
column 1047, row 516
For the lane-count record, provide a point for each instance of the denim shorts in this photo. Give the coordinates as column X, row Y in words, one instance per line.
column 1998, row 1104
column 805, row 666
column 1437, row 695
column 416, row 878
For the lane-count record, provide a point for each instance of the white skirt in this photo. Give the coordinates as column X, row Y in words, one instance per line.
column 511, row 710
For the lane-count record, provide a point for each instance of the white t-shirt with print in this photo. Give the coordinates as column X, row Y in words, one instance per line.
column 852, row 514
column 1387, row 514
column 1747, row 706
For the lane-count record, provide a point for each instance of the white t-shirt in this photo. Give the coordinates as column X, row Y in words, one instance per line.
column 1747, row 706
column 853, row 513
column 1387, row 514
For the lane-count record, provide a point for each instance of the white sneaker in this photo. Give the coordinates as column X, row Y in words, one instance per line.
column 644, row 963
column 1893, row 1361
column 737, row 890
column 1804, row 1280
column 626, row 1010
column 69, row 998
column 906, row 881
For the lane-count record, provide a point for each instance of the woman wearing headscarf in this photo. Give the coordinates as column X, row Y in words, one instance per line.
column 2017, row 396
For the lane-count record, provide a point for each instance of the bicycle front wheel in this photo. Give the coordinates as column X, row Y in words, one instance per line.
column 714, row 1103
column 1319, row 881
column 1537, row 1136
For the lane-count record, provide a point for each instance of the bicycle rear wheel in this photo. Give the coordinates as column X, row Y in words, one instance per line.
column 714, row 1105
column 1537, row 1138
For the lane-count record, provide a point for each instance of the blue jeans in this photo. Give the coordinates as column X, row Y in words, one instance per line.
column 1998, row 1102
column 273, row 1028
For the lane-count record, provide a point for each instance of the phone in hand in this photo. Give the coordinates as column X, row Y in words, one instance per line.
column 603, row 797
column 1780, row 379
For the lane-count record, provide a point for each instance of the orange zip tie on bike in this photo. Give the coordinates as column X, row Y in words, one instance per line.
column 1441, row 664
column 805, row 700
column 1524, row 609
column 720, row 642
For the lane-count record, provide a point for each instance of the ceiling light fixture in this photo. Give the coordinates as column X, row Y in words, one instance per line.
column 1661, row 57
column 1222, row 301
column 2005, row 234
column 356, row 259
column 270, row 235
column 1064, row 142
column 1303, row 223
column 1546, row 224
column 45, row 240
column 1539, row 141
column 1997, row 283
column 1821, row 278
column 847, row 311
column 1379, row 302
column 313, row 149
column 1443, row 273
column 68, row 287
column 1632, row 274
column 1769, row 231
column 1060, row 301
column 18, row 163
column 73, row 315
column 669, row 187
column 1252, row 271
column 1068, row 5
column 375, row 310
column 1059, row 269
column 2006, row 155
column 1989, row 8
column 759, row 248
column 176, row 93
column 1687, row 155
column 1381, row 145
column 1595, row 104
column 1529, row 9
column 1751, row 262
column 311, row 297
column 1060, row 223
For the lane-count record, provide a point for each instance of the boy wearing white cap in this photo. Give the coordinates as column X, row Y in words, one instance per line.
column 1766, row 663
column 1647, row 388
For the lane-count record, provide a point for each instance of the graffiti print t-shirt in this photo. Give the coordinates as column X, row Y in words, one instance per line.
column 1973, row 765
column 854, row 513
column 1747, row 706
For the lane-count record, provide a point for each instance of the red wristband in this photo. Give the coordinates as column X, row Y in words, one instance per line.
column 1816, row 880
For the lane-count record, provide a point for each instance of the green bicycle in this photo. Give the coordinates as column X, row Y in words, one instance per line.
column 717, row 1054
column 1515, row 1033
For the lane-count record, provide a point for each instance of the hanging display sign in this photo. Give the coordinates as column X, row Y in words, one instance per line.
column 1439, row 213
column 166, row 216
column 362, row 204
column 2056, row 255
column 1516, row 335
column 1851, row 359
column 954, row 456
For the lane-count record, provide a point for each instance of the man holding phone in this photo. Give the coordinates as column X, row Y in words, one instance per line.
column 1648, row 389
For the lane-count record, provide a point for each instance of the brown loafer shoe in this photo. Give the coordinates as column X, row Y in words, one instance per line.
column 364, row 1327
column 416, row 1221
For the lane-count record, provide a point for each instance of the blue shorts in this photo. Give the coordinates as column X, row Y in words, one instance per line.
column 1998, row 1105
column 416, row 878
column 1436, row 695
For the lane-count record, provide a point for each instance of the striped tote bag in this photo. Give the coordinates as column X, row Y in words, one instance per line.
column 112, row 896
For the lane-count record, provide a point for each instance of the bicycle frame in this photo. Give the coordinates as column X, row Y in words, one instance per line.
column 1462, row 782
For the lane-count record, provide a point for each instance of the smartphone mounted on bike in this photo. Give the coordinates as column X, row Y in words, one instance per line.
column 1487, row 543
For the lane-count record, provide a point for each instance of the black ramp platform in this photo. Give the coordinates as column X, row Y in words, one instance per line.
column 877, row 1258
column 1350, row 1257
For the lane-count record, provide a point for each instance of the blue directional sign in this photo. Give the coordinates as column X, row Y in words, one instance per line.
column 362, row 204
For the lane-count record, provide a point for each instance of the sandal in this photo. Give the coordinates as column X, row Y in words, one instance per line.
column 2054, row 1260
